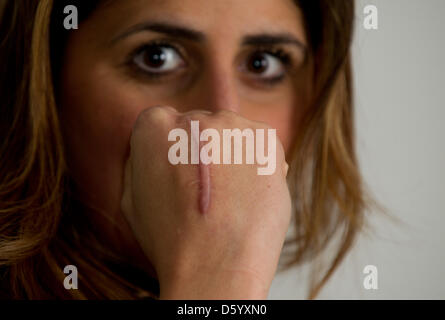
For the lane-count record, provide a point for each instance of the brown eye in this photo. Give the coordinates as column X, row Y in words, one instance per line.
column 155, row 57
column 158, row 59
column 265, row 65
column 257, row 63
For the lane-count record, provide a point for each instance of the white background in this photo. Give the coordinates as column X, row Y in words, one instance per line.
column 400, row 119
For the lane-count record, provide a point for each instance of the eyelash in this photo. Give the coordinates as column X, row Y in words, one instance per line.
column 161, row 43
column 272, row 50
column 279, row 53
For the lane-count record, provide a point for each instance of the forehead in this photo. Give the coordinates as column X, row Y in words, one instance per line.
column 227, row 17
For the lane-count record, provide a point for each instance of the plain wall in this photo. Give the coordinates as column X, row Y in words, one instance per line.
column 399, row 74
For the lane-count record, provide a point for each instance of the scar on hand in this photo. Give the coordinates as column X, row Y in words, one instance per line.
column 204, row 187
column 204, row 180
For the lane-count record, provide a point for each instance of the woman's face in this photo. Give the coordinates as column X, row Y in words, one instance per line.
column 247, row 56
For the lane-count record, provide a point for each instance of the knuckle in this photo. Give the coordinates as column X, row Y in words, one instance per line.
column 224, row 113
column 194, row 115
column 153, row 115
column 152, row 120
column 265, row 125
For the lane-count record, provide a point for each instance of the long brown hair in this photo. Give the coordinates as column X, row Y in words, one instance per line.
column 41, row 225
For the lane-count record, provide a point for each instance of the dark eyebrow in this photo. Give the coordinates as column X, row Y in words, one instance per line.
column 273, row 39
column 178, row 31
column 165, row 28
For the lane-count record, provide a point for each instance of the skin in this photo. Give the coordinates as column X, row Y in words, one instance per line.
column 205, row 187
column 105, row 85
column 231, row 251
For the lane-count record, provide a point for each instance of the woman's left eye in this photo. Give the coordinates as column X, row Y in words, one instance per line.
column 158, row 59
column 267, row 66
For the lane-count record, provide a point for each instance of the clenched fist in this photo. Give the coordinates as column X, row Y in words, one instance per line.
column 229, row 249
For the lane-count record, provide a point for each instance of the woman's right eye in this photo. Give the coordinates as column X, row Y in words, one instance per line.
column 158, row 59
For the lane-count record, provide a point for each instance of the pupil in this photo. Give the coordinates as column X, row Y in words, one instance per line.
column 155, row 57
column 258, row 63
